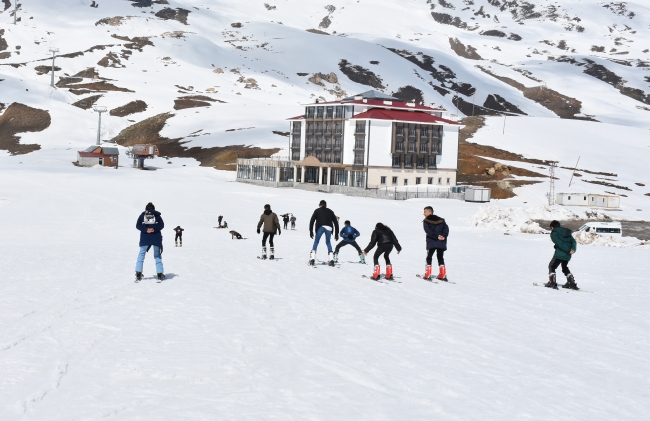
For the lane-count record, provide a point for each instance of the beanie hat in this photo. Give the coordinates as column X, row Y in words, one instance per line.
column 150, row 206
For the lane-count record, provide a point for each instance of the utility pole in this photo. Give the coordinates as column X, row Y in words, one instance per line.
column 473, row 98
column 504, row 124
column 99, row 109
column 574, row 171
column 15, row 11
column 53, row 51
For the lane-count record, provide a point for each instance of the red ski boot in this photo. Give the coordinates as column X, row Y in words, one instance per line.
column 376, row 272
column 389, row 272
column 427, row 273
column 442, row 274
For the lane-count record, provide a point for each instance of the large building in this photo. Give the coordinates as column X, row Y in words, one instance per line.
column 370, row 140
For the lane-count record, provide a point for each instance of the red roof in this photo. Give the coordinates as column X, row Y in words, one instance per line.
column 415, row 116
column 299, row 117
column 380, row 103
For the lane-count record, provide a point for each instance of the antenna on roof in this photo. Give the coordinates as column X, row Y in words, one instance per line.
column 551, row 188
column 99, row 109
column 53, row 51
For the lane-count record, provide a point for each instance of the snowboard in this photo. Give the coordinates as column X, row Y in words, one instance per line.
column 563, row 289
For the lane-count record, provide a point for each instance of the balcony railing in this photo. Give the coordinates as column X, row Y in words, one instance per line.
column 295, row 144
column 424, row 148
column 359, row 145
column 411, row 148
column 399, row 146
column 338, row 145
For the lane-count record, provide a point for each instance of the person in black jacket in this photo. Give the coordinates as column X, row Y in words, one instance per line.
column 437, row 232
column 179, row 235
column 150, row 224
column 326, row 222
column 385, row 239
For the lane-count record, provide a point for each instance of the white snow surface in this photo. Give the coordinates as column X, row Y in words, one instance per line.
column 228, row 336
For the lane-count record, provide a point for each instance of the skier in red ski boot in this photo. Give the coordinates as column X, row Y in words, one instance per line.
column 437, row 232
column 385, row 240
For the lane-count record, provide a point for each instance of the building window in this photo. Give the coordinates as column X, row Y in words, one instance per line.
column 310, row 127
column 357, row 179
column 328, row 128
column 399, row 131
column 383, row 180
column 310, row 112
column 338, row 143
column 435, row 147
column 424, row 132
column 295, row 142
column 397, row 161
column 319, row 127
column 257, row 172
column 286, row 174
column 436, row 132
column 328, row 156
column 299, row 174
column 295, row 155
column 418, row 180
column 394, row 181
column 339, row 112
column 339, row 178
column 432, row 162
column 411, row 148
column 412, row 132
column 424, row 148
column 419, row 162
column 359, row 144
column 430, row 180
column 338, row 128
column 337, row 157
column 319, row 142
column 358, row 159
column 406, row 181
column 310, row 142
column 296, row 127
column 360, row 128
column 319, row 155
column 329, row 112
column 269, row 173
column 448, row 181
column 244, row 172
column 439, row 180
column 408, row 161
column 319, row 112
column 399, row 146
column 328, row 142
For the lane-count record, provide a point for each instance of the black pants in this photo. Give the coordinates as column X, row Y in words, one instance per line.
column 557, row 262
column 293, row 225
column 178, row 236
column 439, row 255
column 268, row 235
column 344, row 243
column 286, row 223
column 384, row 249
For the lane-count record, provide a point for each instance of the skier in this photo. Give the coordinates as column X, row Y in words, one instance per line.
column 271, row 225
column 219, row 220
column 293, row 222
column 565, row 247
column 349, row 235
column 285, row 219
column 179, row 235
column 234, row 234
column 150, row 223
column 325, row 222
column 385, row 239
column 437, row 232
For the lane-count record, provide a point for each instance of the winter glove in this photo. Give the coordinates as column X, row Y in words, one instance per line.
column 258, row 230
column 311, row 234
column 279, row 232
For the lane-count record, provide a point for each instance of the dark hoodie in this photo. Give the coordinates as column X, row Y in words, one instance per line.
column 155, row 238
column 434, row 226
column 383, row 235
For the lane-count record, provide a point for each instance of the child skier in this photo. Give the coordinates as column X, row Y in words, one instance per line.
column 219, row 219
column 150, row 223
column 349, row 236
column 565, row 246
column 385, row 239
column 325, row 221
column 179, row 235
column 285, row 220
column 293, row 222
column 437, row 232
column 271, row 225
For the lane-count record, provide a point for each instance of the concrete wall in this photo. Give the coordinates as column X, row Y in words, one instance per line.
column 348, row 142
column 449, row 154
column 381, row 132
column 375, row 174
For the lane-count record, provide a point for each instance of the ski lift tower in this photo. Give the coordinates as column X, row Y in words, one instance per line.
column 53, row 51
column 551, row 190
column 99, row 109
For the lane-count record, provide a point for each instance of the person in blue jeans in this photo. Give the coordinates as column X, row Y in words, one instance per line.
column 150, row 223
column 349, row 236
column 326, row 222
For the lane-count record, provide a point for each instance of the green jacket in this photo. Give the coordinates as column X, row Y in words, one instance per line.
column 564, row 243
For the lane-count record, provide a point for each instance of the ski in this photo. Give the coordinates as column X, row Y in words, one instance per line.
column 376, row 280
column 425, row 279
column 275, row 258
column 565, row 289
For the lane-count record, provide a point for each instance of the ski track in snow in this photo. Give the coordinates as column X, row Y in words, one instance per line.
column 231, row 336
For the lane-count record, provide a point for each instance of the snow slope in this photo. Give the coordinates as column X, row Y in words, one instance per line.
column 230, row 337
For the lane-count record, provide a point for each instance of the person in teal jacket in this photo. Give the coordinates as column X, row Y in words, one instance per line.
column 565, row 246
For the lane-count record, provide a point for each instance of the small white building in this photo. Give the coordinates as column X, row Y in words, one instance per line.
column 604, row 201
column 477, row 194
column 572, row 199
